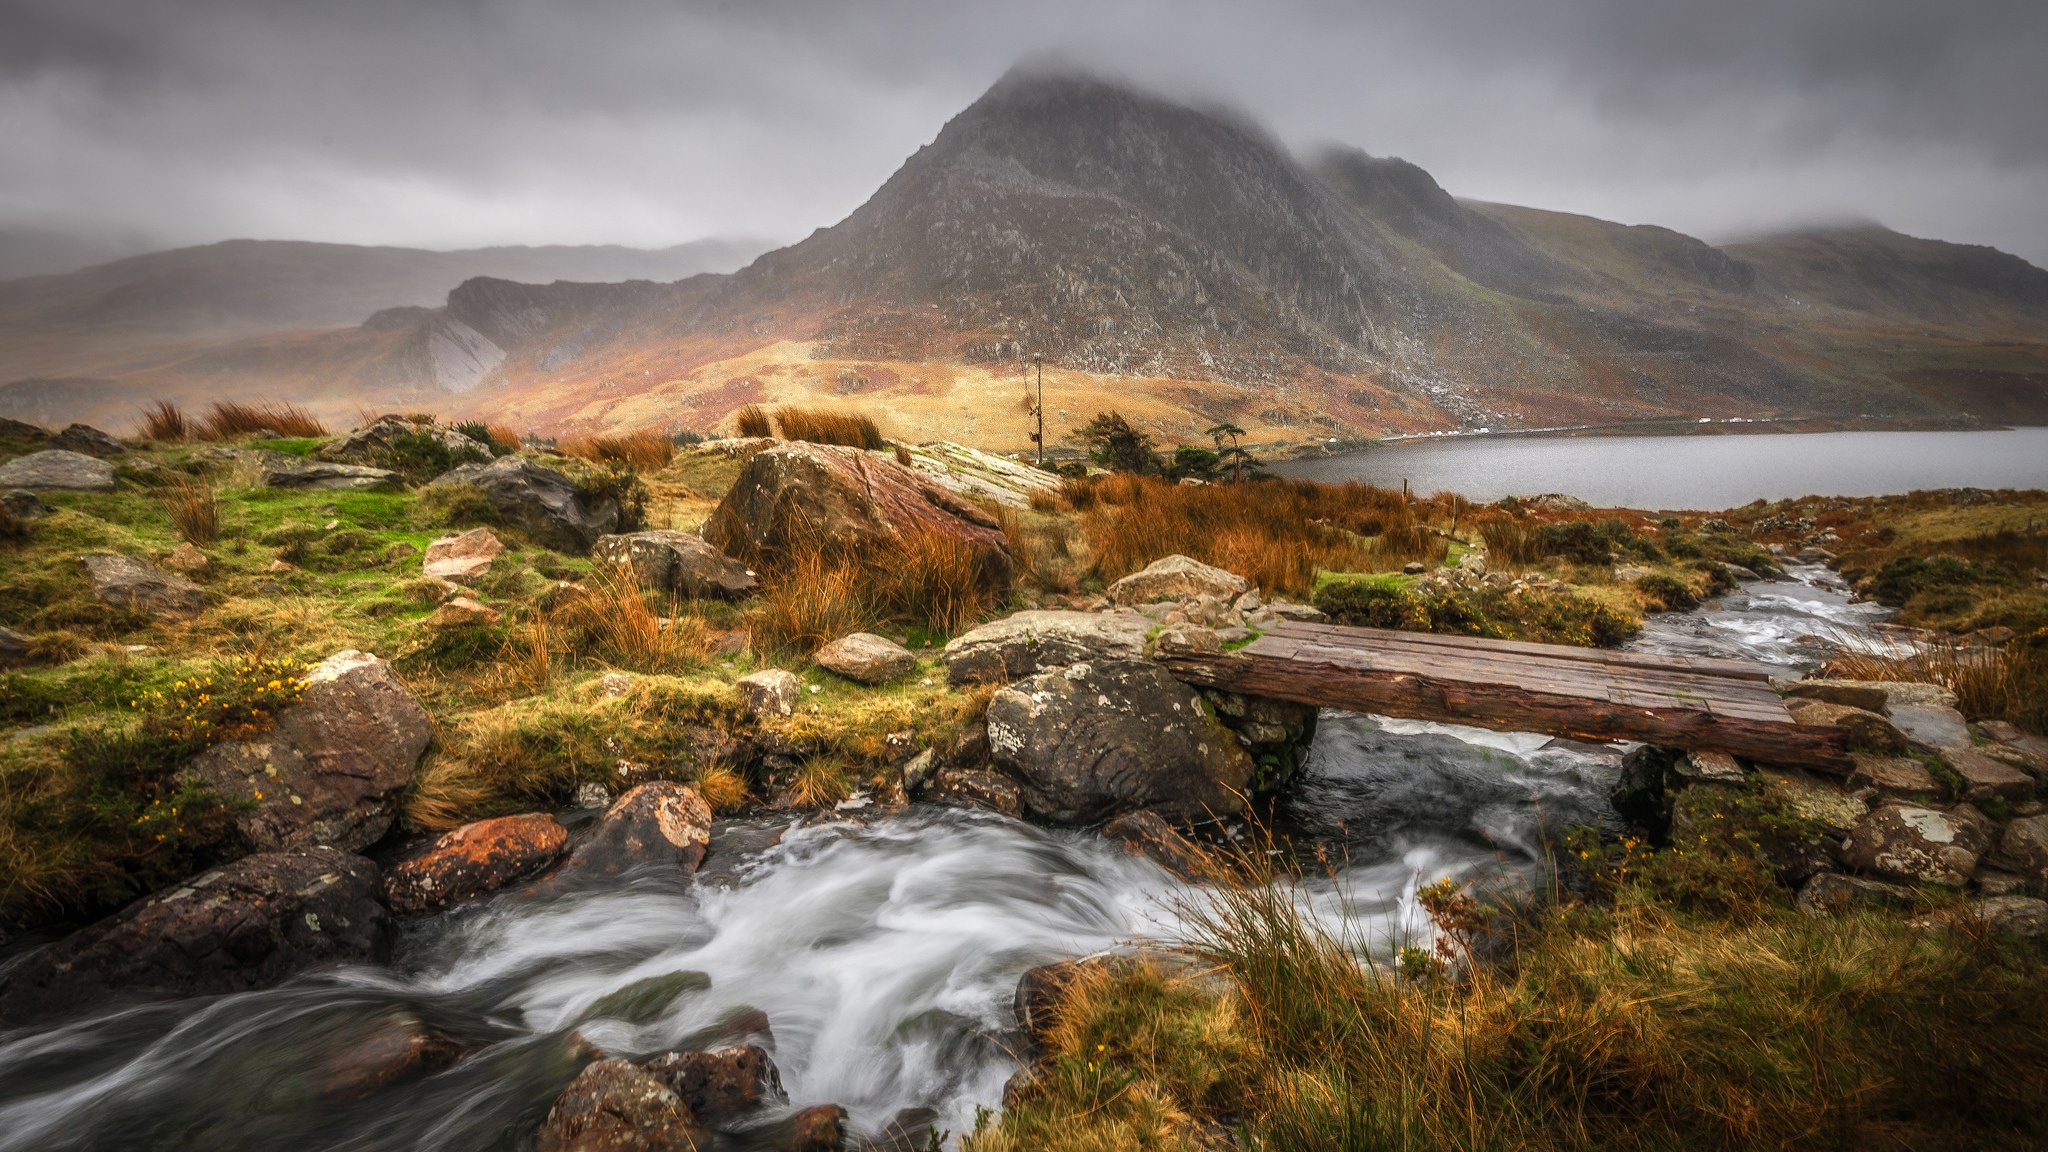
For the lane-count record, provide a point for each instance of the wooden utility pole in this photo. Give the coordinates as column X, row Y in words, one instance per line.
column 1038, row 361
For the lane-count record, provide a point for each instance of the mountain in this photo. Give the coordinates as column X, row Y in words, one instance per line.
column 1172, row 262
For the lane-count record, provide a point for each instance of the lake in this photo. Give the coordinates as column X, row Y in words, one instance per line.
column 1696, row 472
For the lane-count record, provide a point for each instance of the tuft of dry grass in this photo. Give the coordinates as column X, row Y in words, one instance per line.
column 752, row 421
column 165, row 423
column 822, row 427
column 1275, row 533
column 610, row 621
column 820, row 783
column 722, row 788
column 812, row 598
column 2009, row 683
column 230, row 418
column 1511, row 542
column 504, row 437
column 817, row 593
column 645, row 451
column 193, row 506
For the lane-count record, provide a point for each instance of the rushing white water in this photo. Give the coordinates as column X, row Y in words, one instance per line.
column 883, row 954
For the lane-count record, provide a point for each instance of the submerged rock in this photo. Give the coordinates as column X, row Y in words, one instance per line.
column 244, row 925
column 1093, row 740
column 1145, row 833
column 475, row 860
column 332, row 766
column 366, row 1057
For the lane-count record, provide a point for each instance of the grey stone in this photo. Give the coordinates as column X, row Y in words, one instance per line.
column 245, row 925
column 1931, row 724
column 1900, row 776
column 866, row 657
column 377, row 436
column 1985, row 777
column 1094, row 740
column 57, row 469
column 1832, row 893
column 1918, row 845
column 771, row 692
column 683, row 563
column 1865, row 730
column 1177, row 577
column 23, row 505
column 1709, row 767
column 1029, row 642
column 127, row 582
column 2024, row 846
column 1289, row 610
column 332, row 767
column 282, row 470
column 2021, row 916
column 541, row 502
column 1814, row 799
column 89, row 440
column 1187, row 640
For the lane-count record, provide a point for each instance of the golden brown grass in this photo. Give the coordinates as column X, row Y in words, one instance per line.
column 818, row 593
column 2009, row 683
column 1277, row 534
column 812, row 598
column 231, row 418
column 645, row 451
column 820, row 783
column 822, row 427
column 194, row 508
column 752, row 421
column 722, row 788
column 1511, row 542
column 504, row 437
column 165, row 423
column 610, row 621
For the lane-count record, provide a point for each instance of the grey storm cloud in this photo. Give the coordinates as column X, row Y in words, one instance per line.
column 464, row 122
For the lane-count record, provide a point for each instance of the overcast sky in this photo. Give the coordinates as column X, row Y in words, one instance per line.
column 453, row 123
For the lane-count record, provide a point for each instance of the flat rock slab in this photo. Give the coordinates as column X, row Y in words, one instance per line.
column 332, row 767
column 682, row 563
column 1094, row 740
column 1900, row 776
column 283, row 470
column 462, row 557
column 244, row 925
column 1177, row 577
column 1028, row 642
column 1985, row 776
column 126, row 582
column 540, row 501
column 56, row 470
column 1935, row 725
column 475, row 860
column 866, row 657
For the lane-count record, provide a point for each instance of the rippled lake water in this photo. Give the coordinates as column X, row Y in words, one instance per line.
column 1696, row 472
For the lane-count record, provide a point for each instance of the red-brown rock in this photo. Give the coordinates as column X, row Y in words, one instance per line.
column 474, row 860
column 719, row 1086
column 613, row 1106
column 658, row 823
column 821, row 1128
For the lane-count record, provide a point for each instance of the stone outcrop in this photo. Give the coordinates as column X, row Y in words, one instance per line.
column 658, row 824
column 332, row 766
column 474, row 860
column 462, row 557
column 245, row 925
column 462, row 612
column 2024, row 846
column 539, row 501
column 1275, row 733
column 798, row 495
column 380, row 434
column 681, row 563
column 770, row 692
column 88, row 440
column 1867, row 731
column 282, row 470
column 1901, row 776
column 23, row 506
column 1094, row 740
column 126, row 582
column 55, row 469
column 1028, row 642
column 1174, row 578
column 866, row 657
column 1909, row 843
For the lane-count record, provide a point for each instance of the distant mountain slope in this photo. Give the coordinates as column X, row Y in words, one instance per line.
column 1171, row 262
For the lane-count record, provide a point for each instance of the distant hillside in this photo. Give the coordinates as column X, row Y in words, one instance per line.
column 1171, row 262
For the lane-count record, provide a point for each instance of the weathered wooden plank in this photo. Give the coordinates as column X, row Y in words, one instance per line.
column 1529, row 672
column 1382, row 637
column 1345, row 676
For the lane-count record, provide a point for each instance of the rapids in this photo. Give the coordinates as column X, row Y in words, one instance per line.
column 883, row 954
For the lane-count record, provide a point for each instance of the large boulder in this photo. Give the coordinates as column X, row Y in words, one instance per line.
column 614, row 1106
column 798, row 494
column 540, row 501
column 1027, row 642
column 865, row 657
column 1918, row 845
column 1175, row 578
column 246, row 925
column 662, row 824
column 1093, row 740
column 87, row 439
column 474, row 860
column 332, row 766
column 126, row 582
column 683, row 563
column 282, row 470
column 56, row 468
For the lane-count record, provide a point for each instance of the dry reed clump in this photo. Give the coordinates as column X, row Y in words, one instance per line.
column 611, row 622
column 194, row 508
column 1276, row 533
column 504, row 437
column 816, row 593
column 721, row 787
column 645, row 451
column 1511, row 541
column 821, row 427
column 1629, row 1026
column 811, row 598
column 231, row 418
column 752, row 421
column 820, row 783
column 165, row 423
column 2008, row 683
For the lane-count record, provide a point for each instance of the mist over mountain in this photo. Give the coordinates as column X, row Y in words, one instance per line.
column 1173, row 261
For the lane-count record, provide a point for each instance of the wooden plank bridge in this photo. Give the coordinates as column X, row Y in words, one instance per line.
column 1688, row 702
